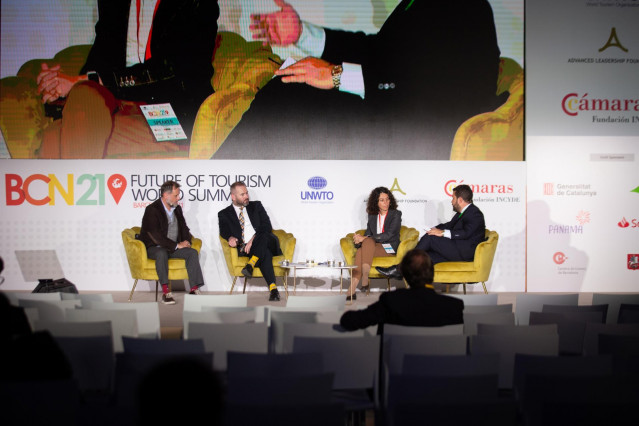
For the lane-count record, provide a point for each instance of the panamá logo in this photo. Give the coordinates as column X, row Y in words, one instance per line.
column 39, row 189
column 583, row 217
column 559, row 258
column 633, row 262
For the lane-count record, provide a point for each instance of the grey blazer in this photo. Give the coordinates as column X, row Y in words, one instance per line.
column 392, row 225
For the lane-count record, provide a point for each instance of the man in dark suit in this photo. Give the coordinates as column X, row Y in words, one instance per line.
column 247, row 227
column 455, row 240
column 398, row 94
column 418, row 305
column 148, row 52
column 166, row 236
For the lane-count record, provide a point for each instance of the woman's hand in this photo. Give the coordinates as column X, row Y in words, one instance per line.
column 357, row 239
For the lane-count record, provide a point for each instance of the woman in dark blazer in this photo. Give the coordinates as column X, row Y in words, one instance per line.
column 384, row 222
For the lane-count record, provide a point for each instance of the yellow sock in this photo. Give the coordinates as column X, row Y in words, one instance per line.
column 253, row 260
column 272, row 287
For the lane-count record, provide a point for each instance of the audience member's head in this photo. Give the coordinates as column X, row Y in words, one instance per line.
column 417, row 268
column 198, row 382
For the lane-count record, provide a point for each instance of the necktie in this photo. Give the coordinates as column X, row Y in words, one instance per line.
column 242, row 221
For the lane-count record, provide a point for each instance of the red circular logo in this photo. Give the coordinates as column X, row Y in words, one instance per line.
column 559, row 258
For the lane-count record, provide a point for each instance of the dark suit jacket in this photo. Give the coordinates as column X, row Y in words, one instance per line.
column 414, row 306
column 432, row 65
column 392, row 225
column 180, row 68
column 230, row 224
column 155, row 226
column 467, row 231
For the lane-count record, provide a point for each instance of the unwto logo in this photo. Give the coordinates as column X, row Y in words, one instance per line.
column 317, row 184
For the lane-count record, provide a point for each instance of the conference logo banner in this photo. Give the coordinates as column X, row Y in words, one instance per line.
column 484, row 192
column 85, row 189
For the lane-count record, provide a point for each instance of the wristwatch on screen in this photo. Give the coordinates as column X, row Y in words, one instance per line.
column 93, row 76
column 336, row 72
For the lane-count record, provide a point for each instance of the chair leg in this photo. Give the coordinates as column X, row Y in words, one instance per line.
column 156, row 290
column 233, row 285
column 485, row 290
column 133, row 289
column 447, row 288
column 388, row 284
column 464, row 288
column 244, row 289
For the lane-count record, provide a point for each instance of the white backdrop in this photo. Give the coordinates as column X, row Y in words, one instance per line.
column 82, row 221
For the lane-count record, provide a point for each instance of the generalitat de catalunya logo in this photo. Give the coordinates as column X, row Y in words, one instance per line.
column 559, row 258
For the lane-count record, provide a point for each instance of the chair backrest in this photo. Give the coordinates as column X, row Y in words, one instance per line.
column 571, row 327
column 148, row 315
column 628, row 313
column 353, row 360
column 279, row 318
column 123, row 322
column 517, row 330
column 477, row 299
column 242, row 364
column 194, row 302
column 135, row 251
column 50, row 310
column 509, row 344
column 93, row 297
column 404, row 330
column 488, row 309
column 485, row 254
column 594, row 330
column 396, row 347
column 76, row 329
column 527, row 302
column 15, row 296
column 165, row 346
column 618, row 345
column 526, row 364
column 219, row 315
column 614, row 301
column 280, row 391
column 601, row 309
column 337, row 302
column 471, row 320
column 291, row 330
column 92, row 361
column 221, row 338
column 451, row 365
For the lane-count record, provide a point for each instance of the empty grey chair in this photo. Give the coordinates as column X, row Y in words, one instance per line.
column 571, row 327
column 398, row 346
column 291, row 330
column 46, row 402
column 614, row 301
column 451, row 365
column 628, row 313
column 489, row 309
column 471, row 320
column 148, row 315
column 167, row 346
column 477, row 299
column 618, row 345
column 194, row 302
column 593, row 330
column 76, row 329
column 92, row 361
column 601, row 309
column 280, row 391
column 528, row 302
column 336, row 302
column 276, row 329
column 221, row 338
column 405, row 330
column 242, row 364
column 509, row 343
column 50, row 310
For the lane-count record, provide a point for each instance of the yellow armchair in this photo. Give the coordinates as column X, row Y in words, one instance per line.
column 408, row 238
column 235, row 263
column 497, row 135
column 143, row 268
column 470, row 272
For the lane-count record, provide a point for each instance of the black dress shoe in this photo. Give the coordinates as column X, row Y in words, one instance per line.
column 247, row 271
column 390, row 272
column 350, row 299
column 274, row 296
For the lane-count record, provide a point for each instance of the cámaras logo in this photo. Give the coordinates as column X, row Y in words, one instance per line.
column 559, row 258
column 572, row 104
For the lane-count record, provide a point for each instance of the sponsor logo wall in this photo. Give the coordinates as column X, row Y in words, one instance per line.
column 78, row 209
column 582, row 145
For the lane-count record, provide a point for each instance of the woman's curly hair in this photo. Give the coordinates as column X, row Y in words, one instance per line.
column 372, row 206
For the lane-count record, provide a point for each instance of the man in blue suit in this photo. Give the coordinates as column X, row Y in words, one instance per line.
column 455, row 240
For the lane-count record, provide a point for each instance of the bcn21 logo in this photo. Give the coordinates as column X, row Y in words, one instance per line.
column 33, row 188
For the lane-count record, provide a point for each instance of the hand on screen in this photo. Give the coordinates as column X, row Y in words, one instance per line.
column 52, row 84
column 312, row 71
column 280, row 28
